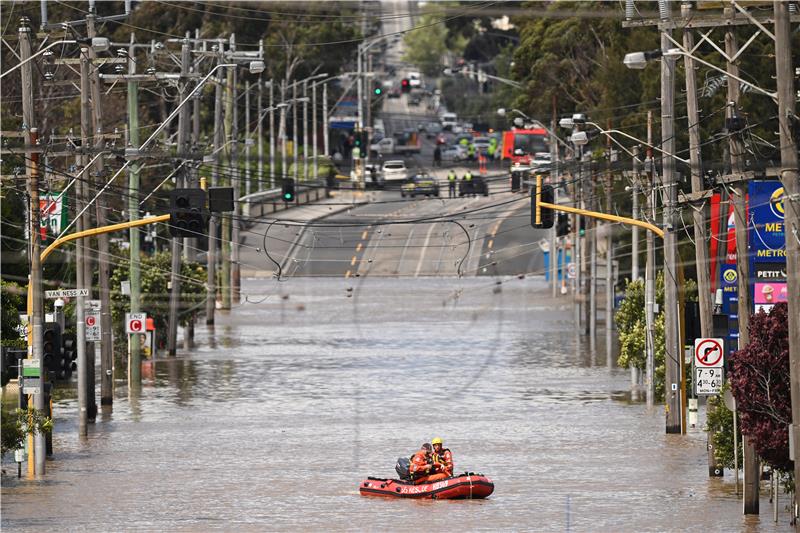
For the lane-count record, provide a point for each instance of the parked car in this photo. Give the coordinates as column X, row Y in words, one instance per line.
column 394, row 170
column 474, row 187
column 414, row 100
column 422, row 183
column 394, row 92
column 454, row 153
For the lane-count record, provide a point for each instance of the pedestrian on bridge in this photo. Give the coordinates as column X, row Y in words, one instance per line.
column 437, row 156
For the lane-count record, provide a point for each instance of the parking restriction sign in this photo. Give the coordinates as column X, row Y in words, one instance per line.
column 135, row 322
column 92, row 319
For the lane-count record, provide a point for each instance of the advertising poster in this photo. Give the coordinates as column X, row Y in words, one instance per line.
column 767, row 240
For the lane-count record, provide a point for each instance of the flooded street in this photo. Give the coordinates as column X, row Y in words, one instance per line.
column 278, row 414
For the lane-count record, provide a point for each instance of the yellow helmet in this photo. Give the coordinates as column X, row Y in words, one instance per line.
column 436, row 440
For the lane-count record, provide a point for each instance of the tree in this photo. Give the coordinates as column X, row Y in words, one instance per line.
column 426, row 46
column 759, row 379
column 18, row 424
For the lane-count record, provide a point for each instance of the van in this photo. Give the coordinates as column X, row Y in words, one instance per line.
column 449, row 121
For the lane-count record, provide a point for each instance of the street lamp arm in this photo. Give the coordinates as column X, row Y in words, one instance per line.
column 631, row 137
column 37, row 54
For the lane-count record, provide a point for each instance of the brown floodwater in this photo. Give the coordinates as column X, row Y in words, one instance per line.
column 279, row 413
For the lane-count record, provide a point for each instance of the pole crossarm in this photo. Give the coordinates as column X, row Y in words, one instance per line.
column 604, row 216
column 98, row 231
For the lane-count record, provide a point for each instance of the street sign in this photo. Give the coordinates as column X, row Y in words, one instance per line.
column 708, row 353
column 31, row 368
column 571, row 270
column 708, row 381
column 135, row 322
column 66, row 293
column 92, row 319
column 31, row 385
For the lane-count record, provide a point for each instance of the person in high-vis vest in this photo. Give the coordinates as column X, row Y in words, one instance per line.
column 451, row 184
column 422, row 469
column 442, row 456
column 466, row 184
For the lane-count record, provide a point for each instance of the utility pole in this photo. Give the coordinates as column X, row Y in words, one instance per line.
column 36, row 453
column 294, row 132
column 175, row 273
column 104, row 273
column 134, row 269
column 86, row 129
column 591, row 281
column 650, row 273
column 635, row 229
column 698, row 212
column 225, row 248
column 272, row 182
column 791, row 201
column 211, row 265
column 751, row 467
column 673, row 350
column 305, row 129
column 247, row 140
column 314, row 114
column 579, row 297
column 235, row 282
column 325, row 137
column 260, row 133
column 609, row 319
column 282, row 132
column 554, row 180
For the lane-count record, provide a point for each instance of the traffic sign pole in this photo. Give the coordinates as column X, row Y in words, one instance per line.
column 82, row 377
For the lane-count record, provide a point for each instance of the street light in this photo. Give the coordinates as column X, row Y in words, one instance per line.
column 639, row 60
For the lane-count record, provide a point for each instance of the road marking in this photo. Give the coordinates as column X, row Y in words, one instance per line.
column 353, row 261
column 347, row 274
column 424, row 248
column 364, row 235
column 491, row 242
column 403, row 253
column 358, row 247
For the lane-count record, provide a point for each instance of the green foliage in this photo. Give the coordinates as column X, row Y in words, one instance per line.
column 630, row 320
column 719, row 419
column 12, row 302
column 155, row 273
column 426, row 48
column 18, row 424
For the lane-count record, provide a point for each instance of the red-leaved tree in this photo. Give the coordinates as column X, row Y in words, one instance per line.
column 759, row 381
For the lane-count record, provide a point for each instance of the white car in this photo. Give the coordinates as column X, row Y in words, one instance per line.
column 394, row 170
column 455, row 152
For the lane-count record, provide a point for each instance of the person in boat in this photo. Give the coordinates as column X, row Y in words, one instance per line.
column 423, row 469
column 442, row 456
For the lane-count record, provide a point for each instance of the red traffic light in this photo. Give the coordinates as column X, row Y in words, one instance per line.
column 405, row 83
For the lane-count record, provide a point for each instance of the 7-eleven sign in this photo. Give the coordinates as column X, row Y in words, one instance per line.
column 53, row 211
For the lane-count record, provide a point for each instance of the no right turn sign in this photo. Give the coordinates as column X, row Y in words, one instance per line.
column 708, row 353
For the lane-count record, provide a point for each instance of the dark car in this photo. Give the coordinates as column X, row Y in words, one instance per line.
column 473, row 187
column 414, row 100
column 422, row 183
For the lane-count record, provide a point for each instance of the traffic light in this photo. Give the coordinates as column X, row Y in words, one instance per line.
column 287, row 190
column 563, row 225
column 377, row 89
column 187, row 213
column 361, row 140
column 542, row 217
column 10, row 361
column 52, row 351
column 405, row 85
column 582, row 226
column 70, row 351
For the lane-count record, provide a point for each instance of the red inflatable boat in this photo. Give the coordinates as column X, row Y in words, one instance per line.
column 466, row 486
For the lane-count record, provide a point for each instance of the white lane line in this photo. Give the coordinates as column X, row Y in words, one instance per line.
column 403, row 252
column 424, row 248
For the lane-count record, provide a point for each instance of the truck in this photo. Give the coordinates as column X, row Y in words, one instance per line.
column 403, row 143
column 523, row 146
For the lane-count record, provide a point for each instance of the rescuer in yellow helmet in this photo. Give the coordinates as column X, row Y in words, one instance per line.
column 442, row 456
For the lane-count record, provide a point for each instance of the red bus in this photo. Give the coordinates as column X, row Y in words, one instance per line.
column 520, row 146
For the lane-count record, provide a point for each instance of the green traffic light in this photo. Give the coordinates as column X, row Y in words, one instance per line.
column 378, row 91
column 287, row 196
